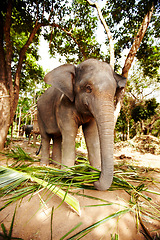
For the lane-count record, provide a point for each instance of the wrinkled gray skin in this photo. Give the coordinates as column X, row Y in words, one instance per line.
column 82, row 95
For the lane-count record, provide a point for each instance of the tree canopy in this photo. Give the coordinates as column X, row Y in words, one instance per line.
column 70, row 28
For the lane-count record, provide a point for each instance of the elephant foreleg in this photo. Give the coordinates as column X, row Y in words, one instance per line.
column 68, row 149
column 93, row 145
column 56, row 151
column 69, row 131
column 68, row 127
column 45, row 141
column 45, row 150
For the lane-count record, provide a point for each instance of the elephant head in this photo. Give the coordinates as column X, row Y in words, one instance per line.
column 92, row 86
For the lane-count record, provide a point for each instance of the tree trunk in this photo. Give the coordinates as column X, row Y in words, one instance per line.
column 19, row 122
column 130, row 58
column 142, row 127
column 9, row 88
column 111, row 42
column 5, row 114
column 12, row 131
column 127, row 129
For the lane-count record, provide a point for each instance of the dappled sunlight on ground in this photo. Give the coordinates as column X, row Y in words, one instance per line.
column 33, row 217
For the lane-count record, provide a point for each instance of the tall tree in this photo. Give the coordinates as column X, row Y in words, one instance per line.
column 20, row 26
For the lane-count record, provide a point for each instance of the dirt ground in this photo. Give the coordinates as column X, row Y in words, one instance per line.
column 33, row 216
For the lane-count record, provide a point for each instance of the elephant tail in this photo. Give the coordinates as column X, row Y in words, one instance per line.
column 38, row 151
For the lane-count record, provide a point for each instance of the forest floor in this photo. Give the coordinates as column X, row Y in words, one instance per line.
column 33, row 221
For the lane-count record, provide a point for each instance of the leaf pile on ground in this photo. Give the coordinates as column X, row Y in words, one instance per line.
column 143, row 143
column 147, row 144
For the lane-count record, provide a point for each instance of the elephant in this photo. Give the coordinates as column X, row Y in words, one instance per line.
column 27, row 129
column 80, row 95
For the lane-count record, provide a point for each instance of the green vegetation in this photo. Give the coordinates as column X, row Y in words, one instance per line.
column 8, row 236
column 138, row 117
column 29, row 179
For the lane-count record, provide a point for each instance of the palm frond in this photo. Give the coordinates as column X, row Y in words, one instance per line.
column 23, row 178
column 10, row 179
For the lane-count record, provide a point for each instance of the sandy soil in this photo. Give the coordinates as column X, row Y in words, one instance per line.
column 33, row 217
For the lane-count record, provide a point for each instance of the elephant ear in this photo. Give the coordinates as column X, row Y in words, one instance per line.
column 62, row 78
column 121, row 81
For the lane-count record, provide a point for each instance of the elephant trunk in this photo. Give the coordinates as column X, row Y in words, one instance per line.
column 104, row 115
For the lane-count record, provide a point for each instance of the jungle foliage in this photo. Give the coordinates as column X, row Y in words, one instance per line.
column 70, row 28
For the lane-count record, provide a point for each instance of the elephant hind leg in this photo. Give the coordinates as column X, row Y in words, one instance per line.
column 92, row 142
column 56, row 151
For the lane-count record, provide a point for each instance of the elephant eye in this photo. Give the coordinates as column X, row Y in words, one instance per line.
column 88, row 89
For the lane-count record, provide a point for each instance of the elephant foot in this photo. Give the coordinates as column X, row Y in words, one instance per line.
column 43, row 164
column 64, row 167
column 101, row 185
column 55, row 163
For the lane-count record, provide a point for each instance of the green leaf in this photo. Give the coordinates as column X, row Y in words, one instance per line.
column 10, row 176
column 12, row 223
column 52, row 222
column 4, row 230
column 91, row 227
column 74, row 228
